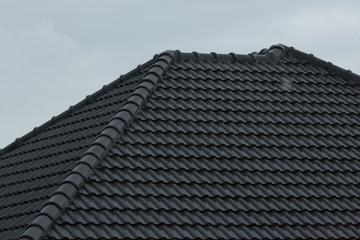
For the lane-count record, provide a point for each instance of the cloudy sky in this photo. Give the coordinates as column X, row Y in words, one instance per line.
column 54, row 53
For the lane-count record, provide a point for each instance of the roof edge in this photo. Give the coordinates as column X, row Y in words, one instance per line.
column 53, row 120
column 280, row 50
column 68, row 189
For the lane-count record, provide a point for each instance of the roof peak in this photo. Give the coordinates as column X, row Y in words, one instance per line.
column 267, row 55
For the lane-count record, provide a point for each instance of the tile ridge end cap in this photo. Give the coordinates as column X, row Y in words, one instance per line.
column 276, row 52
column 175, row 55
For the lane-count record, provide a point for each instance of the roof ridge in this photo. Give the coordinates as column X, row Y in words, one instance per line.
column 67, row 190
column 255, row 57
column 75, row 107
column 280, row 50
column 251, row 57
column 270, row 55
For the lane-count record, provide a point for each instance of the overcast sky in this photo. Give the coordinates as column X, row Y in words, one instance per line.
column 54, row 53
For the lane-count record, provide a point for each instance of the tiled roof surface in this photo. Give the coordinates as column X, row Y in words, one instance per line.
column 31, row 170
column 207, row 146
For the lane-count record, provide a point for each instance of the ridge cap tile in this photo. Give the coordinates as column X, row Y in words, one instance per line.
column 98, row 149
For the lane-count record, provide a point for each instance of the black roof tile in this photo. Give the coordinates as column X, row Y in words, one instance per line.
column 196, row 146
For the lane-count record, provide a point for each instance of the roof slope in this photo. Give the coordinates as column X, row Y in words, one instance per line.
column 32, row 167
column 211, row 146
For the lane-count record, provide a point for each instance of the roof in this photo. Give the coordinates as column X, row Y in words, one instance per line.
column 196, row 146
